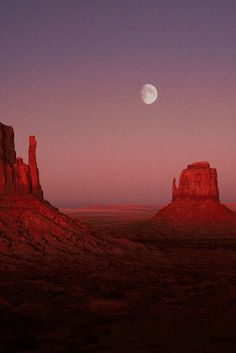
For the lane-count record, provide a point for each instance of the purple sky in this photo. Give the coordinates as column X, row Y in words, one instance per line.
column 71, row 73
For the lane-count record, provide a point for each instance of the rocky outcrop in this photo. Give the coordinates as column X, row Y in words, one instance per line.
column 22, row 177
column 16, row 177
column 7, row 158
column 198, row 181
column 196, row 199
column 25, row 217
column 33, row 168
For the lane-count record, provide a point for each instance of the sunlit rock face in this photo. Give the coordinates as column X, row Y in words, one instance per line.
column 27, row 221
column 198, row 182
column 16, row 177
column 196, row 200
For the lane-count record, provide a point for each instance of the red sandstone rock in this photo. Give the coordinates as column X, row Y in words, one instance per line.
column 22, row 177
column 197, row 181
column 7, row 158
column 16, row 176
column 23, row 211
column 7, row 145
column 196, row 200
column 33, row 169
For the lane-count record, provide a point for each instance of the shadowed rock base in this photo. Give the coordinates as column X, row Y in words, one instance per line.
column 188, row 211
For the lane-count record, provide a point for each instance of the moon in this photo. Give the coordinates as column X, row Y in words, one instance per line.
column 149, row 94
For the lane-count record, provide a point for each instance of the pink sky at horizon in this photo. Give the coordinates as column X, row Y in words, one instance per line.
column 75, row 81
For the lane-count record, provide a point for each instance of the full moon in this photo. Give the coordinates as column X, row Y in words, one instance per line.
column 149, row 94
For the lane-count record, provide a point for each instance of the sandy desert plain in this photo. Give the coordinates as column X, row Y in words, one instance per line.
column 125, row 287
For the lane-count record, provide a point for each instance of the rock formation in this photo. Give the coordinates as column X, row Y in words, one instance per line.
column 197, row 181
column 21, row 174
column 33, row 168
column 7, row 158
column 196, row 199
column 16, row 177
column 24, row 214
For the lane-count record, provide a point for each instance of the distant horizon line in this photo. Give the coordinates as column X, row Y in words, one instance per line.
column 105, row 205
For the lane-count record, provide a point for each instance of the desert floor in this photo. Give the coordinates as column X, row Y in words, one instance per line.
column 138, row 293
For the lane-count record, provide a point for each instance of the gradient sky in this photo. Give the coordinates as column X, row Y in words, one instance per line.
column 71, row 72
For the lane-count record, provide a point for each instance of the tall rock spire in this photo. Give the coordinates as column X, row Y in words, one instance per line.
column 33, row 168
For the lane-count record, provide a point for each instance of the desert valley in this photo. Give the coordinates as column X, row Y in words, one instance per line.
column 115, row 278
column 117, row 176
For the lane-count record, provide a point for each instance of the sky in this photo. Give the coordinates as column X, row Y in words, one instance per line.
column 71, row 73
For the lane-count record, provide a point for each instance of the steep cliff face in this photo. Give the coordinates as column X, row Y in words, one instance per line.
column 196, row 200
column 198, row 181
column 21, row 177
column 16, row 177
column 7, row 158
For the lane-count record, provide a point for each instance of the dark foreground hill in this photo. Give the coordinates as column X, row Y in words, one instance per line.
column 166, row 295
column 100, row 294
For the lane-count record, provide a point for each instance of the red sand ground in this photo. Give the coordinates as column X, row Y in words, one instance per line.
column 102, row 215
column 120, row 214
column 158, row 293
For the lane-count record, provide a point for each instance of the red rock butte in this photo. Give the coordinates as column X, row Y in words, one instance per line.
column 198, row 181
column 196, row 199
column 23, row 209
column 15, row 175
